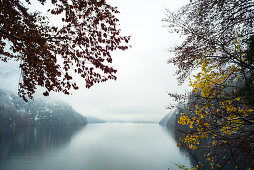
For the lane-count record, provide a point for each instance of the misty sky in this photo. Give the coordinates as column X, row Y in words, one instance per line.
column 143, row 77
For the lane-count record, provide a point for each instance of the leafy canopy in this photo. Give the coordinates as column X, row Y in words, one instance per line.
column 209, row 25
column 219, row 46
column 48, row 53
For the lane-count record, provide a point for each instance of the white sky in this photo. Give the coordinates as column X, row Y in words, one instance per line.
column 143, row 77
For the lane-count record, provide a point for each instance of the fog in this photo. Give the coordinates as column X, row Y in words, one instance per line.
column 143, row 77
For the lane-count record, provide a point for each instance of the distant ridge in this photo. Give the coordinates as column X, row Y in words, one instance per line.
column 94, row 120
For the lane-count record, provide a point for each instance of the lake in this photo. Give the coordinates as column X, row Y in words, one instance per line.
column 108, row 146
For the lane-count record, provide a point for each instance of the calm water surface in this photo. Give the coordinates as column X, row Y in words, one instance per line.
column 123, row 146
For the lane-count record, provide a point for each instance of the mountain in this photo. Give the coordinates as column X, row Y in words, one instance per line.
column 94, row 120
column 169, row 119
column 14, row 112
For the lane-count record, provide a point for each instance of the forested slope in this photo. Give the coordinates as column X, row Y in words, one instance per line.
column 14, row 112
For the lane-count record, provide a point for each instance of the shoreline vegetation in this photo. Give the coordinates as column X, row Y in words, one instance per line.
column 215, row 121
column 170, row 121
column 197, row 156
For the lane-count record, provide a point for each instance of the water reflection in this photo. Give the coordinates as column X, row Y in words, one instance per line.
column 25, row 141
column 95, row 147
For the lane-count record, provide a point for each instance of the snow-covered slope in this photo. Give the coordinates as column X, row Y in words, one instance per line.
column 14, row 112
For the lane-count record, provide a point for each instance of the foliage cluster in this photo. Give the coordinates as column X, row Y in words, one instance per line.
column 48, row 52
column 219, row 44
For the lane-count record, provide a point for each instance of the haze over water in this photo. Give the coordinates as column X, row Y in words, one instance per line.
column 109, row 146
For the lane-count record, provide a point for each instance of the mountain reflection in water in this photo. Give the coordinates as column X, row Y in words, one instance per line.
column 25, row 141
column 107, row 146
